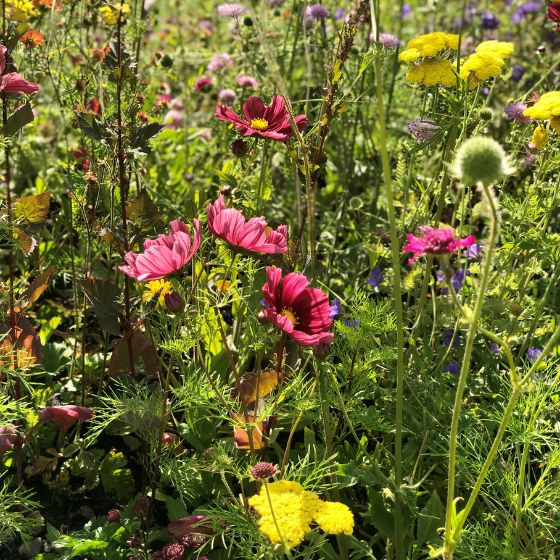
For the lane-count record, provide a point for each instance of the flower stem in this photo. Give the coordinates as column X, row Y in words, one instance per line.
column 450, row 532
column 395, row 248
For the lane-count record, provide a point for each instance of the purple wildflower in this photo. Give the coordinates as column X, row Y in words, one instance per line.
column 422, row 130
column 494, row 348
column 517, row 71
column 316, row 12
column 458, row 279
column 227, row 96
column 472, row 251
column 375, row 278
column 453, row 368
column 406, row 10
column 449, row 338
column 514, row 112
column 339, row 14
column 247, row 81
column 231, row 10
column 389, row 41
column 489, row 20
column 533, row 353
column 524, row 10
column 336, row 309
column 219, row 61
column 275, row 3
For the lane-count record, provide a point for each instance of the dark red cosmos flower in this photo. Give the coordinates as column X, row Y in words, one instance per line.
column 267, row 121
column 67, row 415
column 292, row 306
column 554, row 13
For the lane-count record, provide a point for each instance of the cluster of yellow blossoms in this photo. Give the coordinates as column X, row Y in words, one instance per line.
column 434, row 67
column 295, row 509
column 430, row 64
column 111, row 14
column 157, row 287
column 20, row 10
column 546, row 109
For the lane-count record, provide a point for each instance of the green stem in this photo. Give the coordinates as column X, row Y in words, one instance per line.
column 395, row 254
column 449, row 542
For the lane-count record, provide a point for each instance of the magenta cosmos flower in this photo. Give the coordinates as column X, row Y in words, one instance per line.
column 435, row 242
column 267, row 121
column 254, row 234
column 67, row 415
column 164, row 255
column 295, row 308
column 12, row 82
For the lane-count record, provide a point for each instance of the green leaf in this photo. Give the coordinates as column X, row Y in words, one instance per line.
column 91, row 127
column 430, row 520
column 143, row 213
column 104, row 296
column 87, row 547
column 381, row 518
column 141, row 134
column 115, row 478
column 17, row 120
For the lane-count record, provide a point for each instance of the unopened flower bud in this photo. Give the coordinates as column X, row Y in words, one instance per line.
column 263, row 470
column 174, row 302
column 113, row 516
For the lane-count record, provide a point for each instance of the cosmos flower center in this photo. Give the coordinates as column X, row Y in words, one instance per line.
column 290, row 314
column 259, row 124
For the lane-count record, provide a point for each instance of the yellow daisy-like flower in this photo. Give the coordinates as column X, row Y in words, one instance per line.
column 429, row 45
column 20, row 10
column 159, row 288
column 540, row 138
column 481, row 67
column 335, row 518
column 294, row 510
column 498, row 48
column 110, row 14
column 546, row 107
column 432, row 72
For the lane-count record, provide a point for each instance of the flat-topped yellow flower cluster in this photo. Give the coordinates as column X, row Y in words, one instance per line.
column 295, row 509
column 546, row 108
column 431, row 63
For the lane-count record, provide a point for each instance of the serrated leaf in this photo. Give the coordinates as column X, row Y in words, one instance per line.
column 115, row 478
column 91, row 127
column 21, row 347
column 37, row 287
column 143, row 213
column 141, row 134
column 17, row 120
column 26, row 242
column 34, row 208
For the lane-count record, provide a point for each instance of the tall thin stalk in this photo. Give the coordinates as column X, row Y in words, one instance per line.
column 396, row 262
column 124, row 193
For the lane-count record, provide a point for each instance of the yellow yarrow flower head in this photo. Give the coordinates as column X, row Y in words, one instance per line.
column 429, row 45
column 432, row 72
column 159, row 288
column 546, row 107
column 294, row 510
column 500, row 49
column 540, row 138
column 481, row 67
column 335, row 518
column 111, row 14
column 20, row 10
column 555, row 124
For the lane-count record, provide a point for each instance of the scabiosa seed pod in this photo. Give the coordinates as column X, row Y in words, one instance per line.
column 485, row 114
column 480, row 159
column 263, row 470
column 231, row 10
column 113, row 516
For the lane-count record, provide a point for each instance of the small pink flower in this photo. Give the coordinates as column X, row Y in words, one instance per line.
column 254, row 234
column 173, row 119
column 12, row 82
column 67, row 415
column 267, row 121
column 203, row 84
column 247, row 81
column 435, row 242
column 295, row 308
column 164, row 255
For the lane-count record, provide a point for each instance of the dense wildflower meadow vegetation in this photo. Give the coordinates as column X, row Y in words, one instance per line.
column 279, row 279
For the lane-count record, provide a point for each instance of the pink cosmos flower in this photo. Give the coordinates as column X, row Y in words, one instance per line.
column 295, row 308
column 435, row 242
column 67, row 415
column 267, row 121
column 164, row 255
column 254, row 235
column 12, row 82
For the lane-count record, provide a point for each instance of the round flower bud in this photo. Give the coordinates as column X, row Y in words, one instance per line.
column 174, row 302
column 485, row 114
column 113, row 516
column 263, row 470
column 480, row 159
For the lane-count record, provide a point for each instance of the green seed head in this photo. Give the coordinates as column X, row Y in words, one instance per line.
column 480, row 159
